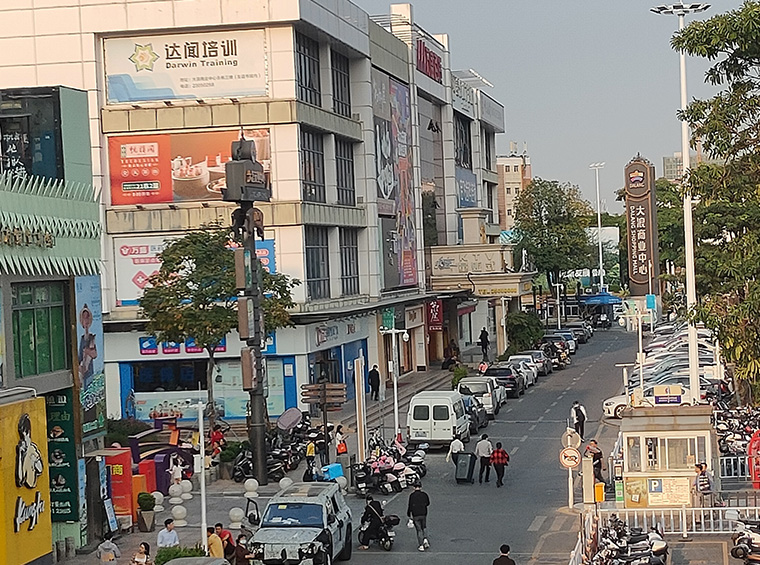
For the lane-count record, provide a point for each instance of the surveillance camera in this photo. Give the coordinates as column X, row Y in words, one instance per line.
column 405, row 336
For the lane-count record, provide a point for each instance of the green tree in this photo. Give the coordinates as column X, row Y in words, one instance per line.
column 524, row 329
column 550, row 223
column 727, row 213
column 193, row 295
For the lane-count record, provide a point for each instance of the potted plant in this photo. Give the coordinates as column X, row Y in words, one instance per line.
column 226, row 457
column 146, row 517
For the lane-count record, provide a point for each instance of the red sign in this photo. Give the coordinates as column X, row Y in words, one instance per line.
column 429, row 62
column 120, row 469
column 435, row 316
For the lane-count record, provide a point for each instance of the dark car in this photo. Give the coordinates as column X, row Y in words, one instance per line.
column 508, row 377
column 477, row 413
column 541, row 359
column 580, row 335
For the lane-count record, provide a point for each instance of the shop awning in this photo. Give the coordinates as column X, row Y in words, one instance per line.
column 601, row 299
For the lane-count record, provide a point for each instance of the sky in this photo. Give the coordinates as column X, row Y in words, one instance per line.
column 582, row 81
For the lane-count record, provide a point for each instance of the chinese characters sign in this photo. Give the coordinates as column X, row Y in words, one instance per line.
column 435, row 315
column 63, row 456
column 193, row 66
column 135, row 259
column 643, row 257
column 429, row 62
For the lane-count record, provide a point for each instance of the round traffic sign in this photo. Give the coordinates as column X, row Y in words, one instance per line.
column 570, row 458
column 571, row 438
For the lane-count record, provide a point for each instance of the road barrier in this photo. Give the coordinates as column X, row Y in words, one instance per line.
column 684, row 521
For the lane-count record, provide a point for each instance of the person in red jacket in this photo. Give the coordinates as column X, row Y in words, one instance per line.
column 499, row 460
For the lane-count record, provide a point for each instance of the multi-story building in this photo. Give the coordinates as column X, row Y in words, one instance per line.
column 514, row 175
column 672, row 166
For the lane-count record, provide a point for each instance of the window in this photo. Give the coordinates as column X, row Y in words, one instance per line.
column 488, row 149
column 341, row 85
column 40, row 336
column 653, row 461
column 421, row 413
column 516, row 168
column 459, row 407
column 344, row 162
column 159, row 376
column 307, row 70
column 313, row 165
column 462, row 142
column 634, row 453
column 317, row 262
column 509, row 212
column 349, row 261
column 507, row 190
column 517, row 192
column 440, row 413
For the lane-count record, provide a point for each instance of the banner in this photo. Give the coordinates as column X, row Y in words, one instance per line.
column 62, row 450
column 2, row 343
column 90, row 351
column 467, row 187
column 435, row 315
column 190, row 66
column 176, row 167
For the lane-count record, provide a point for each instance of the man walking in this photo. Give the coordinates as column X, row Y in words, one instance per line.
column 578, row 417
column 417, row 511
column 499, row 460
column 484, row 343
column 504, row 558
column 168, row 536
column 455, row 449
column 374, row 383
column 483, row 451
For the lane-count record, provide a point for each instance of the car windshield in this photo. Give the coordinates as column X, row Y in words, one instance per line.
column 499, row 372
column 293, row 514
column 520, row 359
column 473, row 388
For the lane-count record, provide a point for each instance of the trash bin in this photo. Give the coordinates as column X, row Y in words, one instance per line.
column 599, row 495
column 465, row 469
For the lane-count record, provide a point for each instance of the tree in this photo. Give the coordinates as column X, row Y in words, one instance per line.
column 550, row 223
column 727, row 215
column 194, row 296
column 524, row 329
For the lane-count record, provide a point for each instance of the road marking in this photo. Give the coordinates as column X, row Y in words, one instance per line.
column 520, row 400
column 522, row 440
column 530, row 429
column 531, row 391
column 557, row 523
column 568, row 389
column 536, row 524
column 510, row 409
column 547, row 410
column 541, row 418
column 553, row 403
column 514, row 450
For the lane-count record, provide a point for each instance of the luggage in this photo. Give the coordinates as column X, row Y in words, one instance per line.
column 465, row 470
column 332, row 471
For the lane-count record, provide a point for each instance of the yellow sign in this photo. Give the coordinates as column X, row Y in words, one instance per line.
column 495, row 291
column 26, row 531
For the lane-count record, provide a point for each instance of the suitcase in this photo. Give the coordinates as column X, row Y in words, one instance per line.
column 332, row 471
column 465, row 470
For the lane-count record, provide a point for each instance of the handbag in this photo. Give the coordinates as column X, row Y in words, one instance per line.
column 342, row 448
column 410, row 524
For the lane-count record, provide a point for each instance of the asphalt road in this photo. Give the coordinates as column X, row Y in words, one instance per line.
column 467, row 523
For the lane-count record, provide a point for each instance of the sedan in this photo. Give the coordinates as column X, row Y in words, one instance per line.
column 525, row 364
column 477, row 413
column 614, row 406
column 541, row 360
column 506, row 376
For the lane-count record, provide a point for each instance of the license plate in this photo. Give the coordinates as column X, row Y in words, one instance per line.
column 391, row 534
column 362, row 485
column 420, row 434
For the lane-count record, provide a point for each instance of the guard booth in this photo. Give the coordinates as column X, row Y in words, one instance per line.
column 660, row 447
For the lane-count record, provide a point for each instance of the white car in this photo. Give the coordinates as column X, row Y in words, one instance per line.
column 499, row 390
column 613, row 407
column 526, row 364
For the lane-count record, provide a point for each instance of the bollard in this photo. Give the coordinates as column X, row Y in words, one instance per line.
column 684, row 529
column 70, row 547
column 60, row 549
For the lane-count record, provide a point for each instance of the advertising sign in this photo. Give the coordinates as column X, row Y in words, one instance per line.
column 640, row 205
column 2, row 343
column 91, row 377
column 467, row 187
column 120, row 469
column 176, row 167
column 669, row 491
column 26, row 532
column 62, row 460
column 435, row 315
column 190, row 66
column 265, row 255
column 636, row 492
column 135, row 260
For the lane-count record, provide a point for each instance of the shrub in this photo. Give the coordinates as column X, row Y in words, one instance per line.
column 231, row 451
column 460, row 372
column 146, row 501
column 166, row 554
column 118, row 431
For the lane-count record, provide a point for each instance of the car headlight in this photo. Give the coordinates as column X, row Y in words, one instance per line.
column 609, row 402
column 307, row 550
column 257, row 549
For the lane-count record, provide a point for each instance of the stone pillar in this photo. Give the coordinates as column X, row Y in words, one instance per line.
column 473, row 225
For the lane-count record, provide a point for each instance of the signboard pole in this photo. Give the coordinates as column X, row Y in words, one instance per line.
column 202, row 444
column 570, row 500
column 361, row 418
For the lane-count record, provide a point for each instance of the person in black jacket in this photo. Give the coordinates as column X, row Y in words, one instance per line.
column 374, row 383
column 417, row 511
column 373, row 517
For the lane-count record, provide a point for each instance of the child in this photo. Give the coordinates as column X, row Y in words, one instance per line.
column 108, row 551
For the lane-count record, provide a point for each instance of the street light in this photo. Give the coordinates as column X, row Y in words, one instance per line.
column 681, row 10
column 393, row 332
column 596, row 167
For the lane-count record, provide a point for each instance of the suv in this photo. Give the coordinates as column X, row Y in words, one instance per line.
column 507, row 377
column 307, row 523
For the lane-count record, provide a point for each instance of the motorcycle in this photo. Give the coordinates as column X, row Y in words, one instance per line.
column 242, row 467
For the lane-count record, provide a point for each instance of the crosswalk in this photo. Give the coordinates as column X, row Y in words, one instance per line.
column 560, row 523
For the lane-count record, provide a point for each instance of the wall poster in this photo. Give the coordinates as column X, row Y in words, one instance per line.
column 90, row 374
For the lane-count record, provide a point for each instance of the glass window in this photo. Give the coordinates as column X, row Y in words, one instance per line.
column 701, row 451
column 317, row 262
column 307, row 70
column 421, row 413
column 158, row 376
column 462, row 142
column 516, row 168
column 488, row 140
column 341, row 85
column 313, row 165
column 507, row 190
column 634, row 453
column 653, row 462
column 349, row 261
column 344, row 163
column 40, row 331
column 678, row 453
column 293, row 514
column 440, row 413
column 459, row 409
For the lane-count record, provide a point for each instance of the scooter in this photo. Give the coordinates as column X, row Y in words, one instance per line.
column 242, row 467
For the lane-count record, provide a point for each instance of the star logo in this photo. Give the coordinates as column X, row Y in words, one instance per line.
column 144, row 57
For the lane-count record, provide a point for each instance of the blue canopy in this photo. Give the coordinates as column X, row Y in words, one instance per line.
column 601, row 299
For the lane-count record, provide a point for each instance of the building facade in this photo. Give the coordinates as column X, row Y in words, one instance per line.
column 514, row 174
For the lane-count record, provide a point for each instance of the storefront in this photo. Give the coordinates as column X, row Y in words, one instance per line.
column 415, row 350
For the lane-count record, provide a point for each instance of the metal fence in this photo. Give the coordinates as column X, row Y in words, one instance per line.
column 588, row 538
column 685, row 521
column 734, row 468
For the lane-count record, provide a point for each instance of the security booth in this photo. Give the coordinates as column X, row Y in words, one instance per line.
column 660, row 446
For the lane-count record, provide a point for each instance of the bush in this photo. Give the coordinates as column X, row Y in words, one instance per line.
column 146, row 501
column 460, row 372
column 118, row 431
column 231, row 451
column 166, row 554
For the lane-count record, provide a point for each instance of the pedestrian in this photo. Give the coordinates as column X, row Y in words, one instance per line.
column 108, row 551
column 228, row 542
column 483, row 450
column 374, row 383
column 142, row 557
column 702, row 487
column 168, row 536
column 455, row 449
column 483, row 367
column 484, row 343
column 595, row 452
column 371, row 521
column 311, row 453
column 340, row 441
column 499, row 460
column 417, row 511
column 578, row 417
column 215, row 546
column 322, row 444
column 504, row 558
column 242, row 555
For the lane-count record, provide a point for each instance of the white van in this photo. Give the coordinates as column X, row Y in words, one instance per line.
column 437, row 417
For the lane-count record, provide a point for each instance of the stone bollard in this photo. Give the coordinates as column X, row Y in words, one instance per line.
column 187, row 488
column 175, row 492
column 251, row 488
column 179, row 513
column 159, row 496
column 236, row 518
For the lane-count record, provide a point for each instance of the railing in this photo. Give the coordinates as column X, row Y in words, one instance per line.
column 684, row 521
column 734, row 468
column 576, row 555
column 588, row 539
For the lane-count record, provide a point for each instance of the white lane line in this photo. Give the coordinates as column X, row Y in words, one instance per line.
column 541, row 418
column 547, row 410
column 533, row 427
column 553, row 404
column 514, row 450
column 557, row 523
column 522, row 439
column 536, row 524
column 509, row 409
column 568, row 389
column 531, row 391
column 520, row 400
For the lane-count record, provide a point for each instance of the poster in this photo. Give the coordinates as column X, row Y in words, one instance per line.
column 669, row 491
column 636, row 494
column 176, row 167
column 467, row 188
column 120, row 470
column 135, row 260
column 189, row 65
column 90, row 373
column 62, row 452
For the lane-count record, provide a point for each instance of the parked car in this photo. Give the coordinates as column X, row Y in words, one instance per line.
column 437, row 417
column 512, row 381
column 525, row 364
column 572, row 343
column 500, row 392
column 613, row 407
column 580, row 335
column 305, row 522
column 477, row 413
column 484, row 389
column 541, row 360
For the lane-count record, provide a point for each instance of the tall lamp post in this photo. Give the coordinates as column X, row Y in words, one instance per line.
column 596, row 167
column 680, row 9
column 394, row 333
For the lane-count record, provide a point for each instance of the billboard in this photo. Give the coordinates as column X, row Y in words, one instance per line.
column 641, row 214
column 467, row 188
column 62, row 450
column 186, row 66
column 175, row 167
column 395, row 190
column 90, row 369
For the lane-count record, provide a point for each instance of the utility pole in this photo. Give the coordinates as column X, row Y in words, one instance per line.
column 246, row 184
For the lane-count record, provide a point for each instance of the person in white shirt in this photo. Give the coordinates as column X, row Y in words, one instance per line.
column 483, row 450
column 168, row 537
column 578, row 417
column 455, row 449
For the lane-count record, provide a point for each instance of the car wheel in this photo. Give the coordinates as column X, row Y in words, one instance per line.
column 619, row 411
column 345, row 555
column 485, row 423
